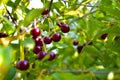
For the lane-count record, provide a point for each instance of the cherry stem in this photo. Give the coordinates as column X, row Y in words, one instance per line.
column 21, row 47
column 44, row 47
column 34, row 23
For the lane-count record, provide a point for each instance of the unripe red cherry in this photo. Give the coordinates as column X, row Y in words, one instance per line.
column 45, row 12
column 56, row 37
column 75, row 42
column 41, row 55
column 52, row 56
column 35, row 32
column 79, row 48
column 47, row 40
column 103, row 36
column 37, row 49
column 22, row 65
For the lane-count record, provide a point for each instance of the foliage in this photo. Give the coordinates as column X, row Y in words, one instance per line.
column 87, row 19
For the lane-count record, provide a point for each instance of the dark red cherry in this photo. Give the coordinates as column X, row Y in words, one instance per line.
column 37, row 49
column 47, row 40
column 2, row 35
column 56, row 37
column 22, row 65
column 79, row 48
column 65, row 28
column 41, row 55
column 38, row 41
column 35, row 32
column 45, row 12
column 103, row 36
column 75, row 42
column 52, row 56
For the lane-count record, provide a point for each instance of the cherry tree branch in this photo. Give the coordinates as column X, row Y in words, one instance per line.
column 83, row 71
column 13, row 19
column 50, row 5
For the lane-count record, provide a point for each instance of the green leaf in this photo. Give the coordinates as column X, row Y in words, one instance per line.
column 33, row 14
column 3, row 1
column 63, row 76
column 10, row 75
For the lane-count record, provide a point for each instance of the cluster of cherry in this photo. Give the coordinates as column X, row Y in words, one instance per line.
column 40, row 42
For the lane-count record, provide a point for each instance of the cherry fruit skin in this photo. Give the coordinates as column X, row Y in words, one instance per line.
column 22, row 65
column 75, row 42
column 52, row 56
column 35, row 32
column 103, row 36
column 38, row 41
column 56, row 37
column 65, row 28
column 47, row 40
column 79, row 48
column 41, row 55
column 45, row 12
column 37, row 49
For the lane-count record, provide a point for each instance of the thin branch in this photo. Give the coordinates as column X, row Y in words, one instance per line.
column 13, row 19
column 50, row 5
column 82, row 16
column 83, row 71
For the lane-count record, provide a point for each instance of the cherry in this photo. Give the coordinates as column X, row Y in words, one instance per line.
column 79, row 48
column 56, row 37
column 38, row 41
column 37, row 49
column 22, row 65
column 45, row 12
column 52, row 56
column 103, row 36
column 75, row 42
column 90, row 43
column 41, row 55
column 2, row 35
column 47, row 40
column 35, row 32
column 65, row 28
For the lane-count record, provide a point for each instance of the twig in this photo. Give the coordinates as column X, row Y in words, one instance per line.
column 83, row 71
column 50, row 5
column 13, row 19
column 82, row 16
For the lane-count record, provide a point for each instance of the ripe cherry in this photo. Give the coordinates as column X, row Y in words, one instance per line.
column 2, row 35
column 37, row 49
column 103, row 36
column 45, row 12
column 79, row 48
column 65, row 28
column 38, row 41
column 22, row 65
column 52, row 56
column 47, row 40
column 35, row 32
column 41, row 55
column 56, row 37
column 75, row 42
